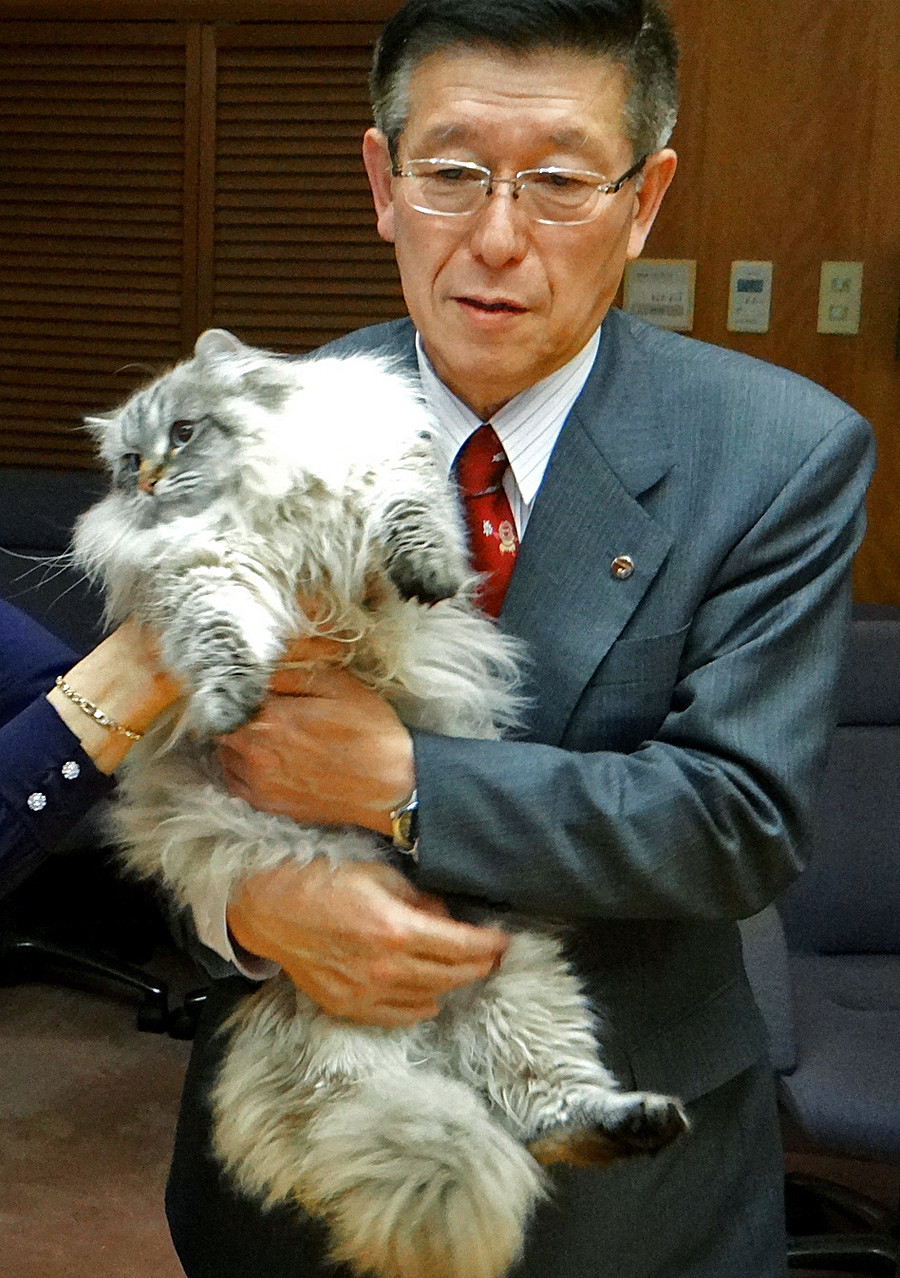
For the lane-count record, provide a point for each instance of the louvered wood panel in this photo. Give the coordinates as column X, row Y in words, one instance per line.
column 297, row 260
column 92, row 228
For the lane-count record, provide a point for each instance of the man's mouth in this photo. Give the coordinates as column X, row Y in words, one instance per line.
column 491, row 307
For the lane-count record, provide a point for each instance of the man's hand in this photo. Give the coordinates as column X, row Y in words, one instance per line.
column 324, row 749
column 360, row 940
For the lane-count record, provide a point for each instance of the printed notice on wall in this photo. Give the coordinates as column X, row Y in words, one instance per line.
column 662, row 290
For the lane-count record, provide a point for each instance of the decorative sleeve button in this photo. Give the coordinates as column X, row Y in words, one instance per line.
column 71, row 771
column 37, row 801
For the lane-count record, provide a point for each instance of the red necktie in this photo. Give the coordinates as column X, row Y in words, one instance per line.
column 493, row 541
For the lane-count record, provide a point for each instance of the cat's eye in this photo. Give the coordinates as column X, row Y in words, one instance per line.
column 132, row 462
column 181, row 432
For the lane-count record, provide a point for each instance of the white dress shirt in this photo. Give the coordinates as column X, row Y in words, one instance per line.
column 528, row 427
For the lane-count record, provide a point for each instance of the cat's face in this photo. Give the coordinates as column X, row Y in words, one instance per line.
column 167, row 450
column 177, row 445
column 171, row 448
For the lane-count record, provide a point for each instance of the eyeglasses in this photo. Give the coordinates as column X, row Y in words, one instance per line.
column 456, row 188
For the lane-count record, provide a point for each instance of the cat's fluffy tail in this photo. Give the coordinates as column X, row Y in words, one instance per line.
column 407, row 1167
column 414, row 1178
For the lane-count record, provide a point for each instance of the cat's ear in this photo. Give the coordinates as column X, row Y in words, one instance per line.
column 216, row 343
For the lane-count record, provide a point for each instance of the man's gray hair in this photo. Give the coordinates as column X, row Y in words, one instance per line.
column 635, row 34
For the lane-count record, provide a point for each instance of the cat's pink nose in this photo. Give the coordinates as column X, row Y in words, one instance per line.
column 148, row 476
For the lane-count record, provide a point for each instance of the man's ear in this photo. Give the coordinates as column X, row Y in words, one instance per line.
column 656, row 177
column 377, row 160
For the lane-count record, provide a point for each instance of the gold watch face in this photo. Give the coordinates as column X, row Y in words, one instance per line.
column 404, row 827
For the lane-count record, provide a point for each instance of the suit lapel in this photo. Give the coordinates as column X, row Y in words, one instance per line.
column 564, row 599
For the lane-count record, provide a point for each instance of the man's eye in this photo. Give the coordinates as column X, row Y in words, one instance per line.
column 131, row 462
column 453, row 176
column 559, row 181
column 181, row 432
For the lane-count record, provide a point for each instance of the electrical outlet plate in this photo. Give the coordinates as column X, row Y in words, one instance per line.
column 662, row 290
column 750, row 297
column 840, row 297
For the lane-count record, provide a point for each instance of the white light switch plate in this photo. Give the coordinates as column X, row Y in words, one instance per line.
column 662, row 290
column 750, row 297
column 840, row 297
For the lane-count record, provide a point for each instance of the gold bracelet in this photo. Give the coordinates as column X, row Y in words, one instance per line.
column 94, row 711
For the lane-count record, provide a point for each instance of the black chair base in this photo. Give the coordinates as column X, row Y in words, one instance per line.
column 183, row 1020
column 28, row 958
column 874, row 1254
column 833, row 1227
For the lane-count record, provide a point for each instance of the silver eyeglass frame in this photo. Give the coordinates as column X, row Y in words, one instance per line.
column 489, row 181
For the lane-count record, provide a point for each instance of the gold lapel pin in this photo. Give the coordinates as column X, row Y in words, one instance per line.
column 622, row 567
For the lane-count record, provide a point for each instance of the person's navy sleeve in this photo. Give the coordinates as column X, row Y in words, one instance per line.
column 47, row 782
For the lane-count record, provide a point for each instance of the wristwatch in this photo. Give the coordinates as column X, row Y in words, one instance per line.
column 405, row 825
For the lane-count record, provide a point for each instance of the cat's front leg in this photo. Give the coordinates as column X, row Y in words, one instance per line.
column 420, row 528
column 221, row 636
column 526, row 1041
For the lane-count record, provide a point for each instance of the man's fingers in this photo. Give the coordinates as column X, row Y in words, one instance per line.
column 295, row 674
column 415, row 979
column 388, row 1016
column 327, row 681
column 340, row 996
column 360, row 940
column 431, row 904
column 446, row 941
column 313, row 648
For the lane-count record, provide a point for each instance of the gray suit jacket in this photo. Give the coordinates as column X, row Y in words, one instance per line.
column 679, row 717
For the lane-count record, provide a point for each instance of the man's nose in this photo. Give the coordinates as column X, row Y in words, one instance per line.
column 500, row 228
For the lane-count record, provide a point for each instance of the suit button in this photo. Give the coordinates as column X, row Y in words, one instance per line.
column 37, row 801
column 622, row 567
column 71, row 771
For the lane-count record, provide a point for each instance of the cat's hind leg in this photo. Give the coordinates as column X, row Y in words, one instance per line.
column 526, row 1040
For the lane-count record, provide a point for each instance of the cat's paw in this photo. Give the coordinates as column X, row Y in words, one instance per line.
column 427, row 582
column 221, row 705
column 631, row 1123
column 424, row 556
column 644, row 1122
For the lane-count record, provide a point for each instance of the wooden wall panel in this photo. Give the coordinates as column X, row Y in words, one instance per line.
column 196, row 11
column 788, row 126
column 91, row 227
column 296, row 258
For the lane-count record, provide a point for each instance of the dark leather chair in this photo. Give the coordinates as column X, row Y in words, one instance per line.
column 825, row 968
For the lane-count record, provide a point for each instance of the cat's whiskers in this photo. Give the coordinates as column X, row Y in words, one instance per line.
column 57, row 563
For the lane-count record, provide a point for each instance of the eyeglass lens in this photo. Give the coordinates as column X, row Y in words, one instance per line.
column 457, row 189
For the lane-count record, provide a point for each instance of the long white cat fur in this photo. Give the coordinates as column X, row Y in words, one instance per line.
column 419, row 1147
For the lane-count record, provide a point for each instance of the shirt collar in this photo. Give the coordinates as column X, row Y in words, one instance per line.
column 528, row 426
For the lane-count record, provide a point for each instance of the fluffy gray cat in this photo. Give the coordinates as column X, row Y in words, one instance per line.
column 240, row 481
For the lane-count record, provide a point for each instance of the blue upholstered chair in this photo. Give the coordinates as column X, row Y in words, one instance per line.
column 825, row 967
column 37, row 511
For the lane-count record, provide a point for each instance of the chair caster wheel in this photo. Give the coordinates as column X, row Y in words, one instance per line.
column 152, row 1018
column 183, row 1020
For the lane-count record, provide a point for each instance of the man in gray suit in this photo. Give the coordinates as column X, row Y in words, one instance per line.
column 687, row 520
